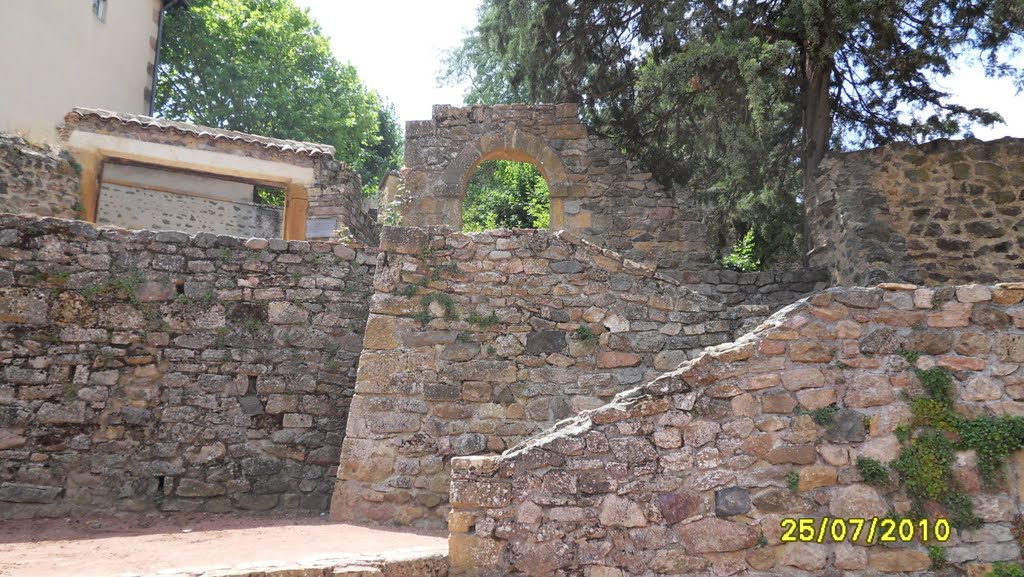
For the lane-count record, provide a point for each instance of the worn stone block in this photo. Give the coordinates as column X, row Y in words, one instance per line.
column 713, row 535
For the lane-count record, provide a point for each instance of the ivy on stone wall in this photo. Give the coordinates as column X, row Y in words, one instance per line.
column 937, row 432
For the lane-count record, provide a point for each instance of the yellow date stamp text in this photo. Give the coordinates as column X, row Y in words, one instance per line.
column 869, row 530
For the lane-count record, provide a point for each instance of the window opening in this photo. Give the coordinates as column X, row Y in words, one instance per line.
column 506, row 194
column 99, row 9
column 268, row 195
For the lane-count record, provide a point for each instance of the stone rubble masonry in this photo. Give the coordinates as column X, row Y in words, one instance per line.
column 44, row 180
column 35, row 179
column 145, row 371
column 945, row 212
column 337, row 193
column 691, row 472
column 595, row 191
column 477, row 341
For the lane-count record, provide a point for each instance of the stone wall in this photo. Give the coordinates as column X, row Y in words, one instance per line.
column 694, row 472
column 337, row 194
column 476, row 341
column 939, row 213
column 595, row 191
column 40, row 180
column 144, row 371
column 771, row 288
column 137, row 208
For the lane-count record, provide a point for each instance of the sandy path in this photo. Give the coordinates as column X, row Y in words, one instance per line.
column 187, row 543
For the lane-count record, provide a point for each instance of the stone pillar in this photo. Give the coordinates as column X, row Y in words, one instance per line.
column 92, row 164
column 296, row 208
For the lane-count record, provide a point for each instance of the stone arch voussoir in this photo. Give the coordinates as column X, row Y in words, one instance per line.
column 514, row 145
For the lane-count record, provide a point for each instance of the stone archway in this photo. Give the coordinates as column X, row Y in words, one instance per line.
column 595, row 191
column 440, row 161
column 517, row 147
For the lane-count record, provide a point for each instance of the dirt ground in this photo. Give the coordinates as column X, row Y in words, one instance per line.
column 186, row 543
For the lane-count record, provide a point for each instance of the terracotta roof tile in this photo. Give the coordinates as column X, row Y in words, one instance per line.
column 147, row 123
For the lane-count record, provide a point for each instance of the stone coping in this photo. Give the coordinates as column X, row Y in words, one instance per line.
column 412, row 240
column 84, row 230
column 690, row 376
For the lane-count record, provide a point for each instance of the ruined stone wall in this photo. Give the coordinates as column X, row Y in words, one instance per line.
column 939, row 213
column 144, row 371
column 595, row 191
column 767, row 290
column 694, row 472
column 337, row 194
column 40, row 180
column 476, row 341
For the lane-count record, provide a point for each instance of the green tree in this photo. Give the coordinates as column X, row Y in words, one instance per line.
column 505, row 194
column 264, row 67
column 741, row 100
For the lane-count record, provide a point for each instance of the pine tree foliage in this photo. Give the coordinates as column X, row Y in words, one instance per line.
column 740, row 100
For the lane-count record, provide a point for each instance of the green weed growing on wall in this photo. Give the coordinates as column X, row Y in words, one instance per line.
column 872, row 471
column 936, row 433
column 1002, row 569
column 585, row 335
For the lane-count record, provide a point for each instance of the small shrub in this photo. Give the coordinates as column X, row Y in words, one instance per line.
column 391, row 213
column 938, row 556
column 793, row 480
column 741, row 259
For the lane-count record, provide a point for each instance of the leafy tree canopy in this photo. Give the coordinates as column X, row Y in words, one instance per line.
column 505, row 194
column 264, row 67
column 740, row 100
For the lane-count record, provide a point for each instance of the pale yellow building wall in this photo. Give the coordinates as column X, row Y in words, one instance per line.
column 58, row 55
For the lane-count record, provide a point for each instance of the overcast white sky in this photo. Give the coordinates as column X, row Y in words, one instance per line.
column 397, row 47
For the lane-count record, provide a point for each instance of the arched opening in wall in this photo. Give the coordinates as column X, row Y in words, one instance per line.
column 505, row 194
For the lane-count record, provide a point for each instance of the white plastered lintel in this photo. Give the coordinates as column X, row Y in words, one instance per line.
column 170, row 156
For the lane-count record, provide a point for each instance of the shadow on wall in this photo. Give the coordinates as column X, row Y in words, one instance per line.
column 156, row 371
column 809, row 417
column 477, row 341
